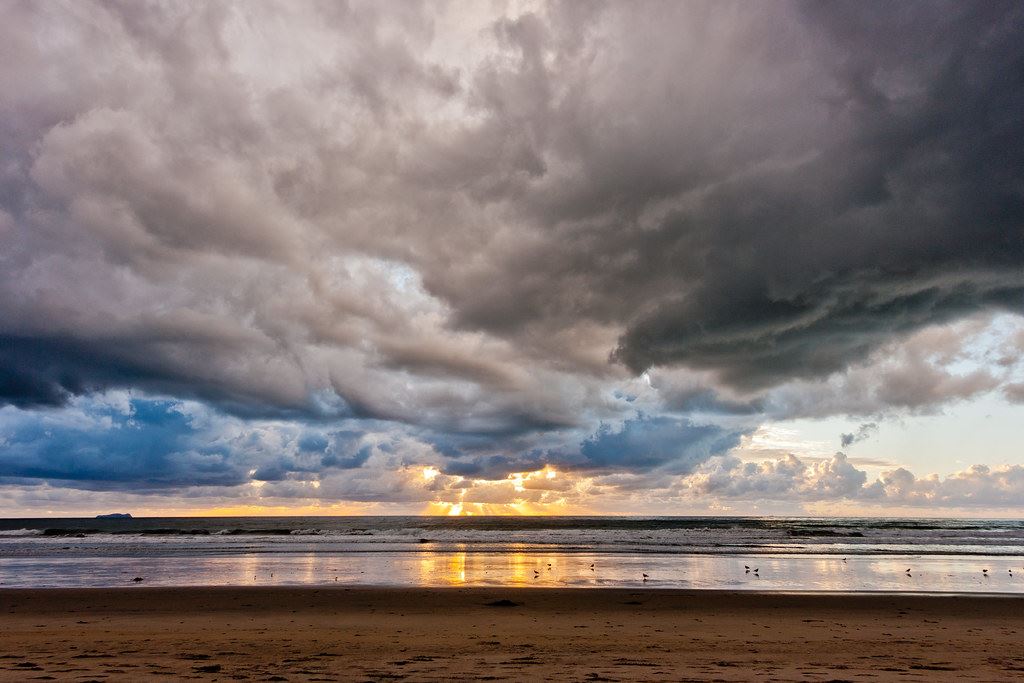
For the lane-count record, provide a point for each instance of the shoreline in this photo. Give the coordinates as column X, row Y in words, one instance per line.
column 525, row 590
column 625, row 634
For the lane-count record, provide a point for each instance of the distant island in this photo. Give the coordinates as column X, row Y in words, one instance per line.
column 115, row 515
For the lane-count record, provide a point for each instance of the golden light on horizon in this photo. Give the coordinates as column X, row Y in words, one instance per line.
column 519, row 479
column 544, row 491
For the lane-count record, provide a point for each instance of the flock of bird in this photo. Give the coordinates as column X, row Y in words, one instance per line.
column 984, row 572
column 755, row 570
column 645, row 577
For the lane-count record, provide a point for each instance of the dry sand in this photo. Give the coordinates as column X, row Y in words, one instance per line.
column 326, row 634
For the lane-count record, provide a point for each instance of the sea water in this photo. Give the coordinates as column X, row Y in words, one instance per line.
column 728, row 553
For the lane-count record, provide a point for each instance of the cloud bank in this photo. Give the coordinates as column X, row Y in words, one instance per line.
column 594, row 236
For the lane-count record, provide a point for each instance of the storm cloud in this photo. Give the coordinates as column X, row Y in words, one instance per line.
column 594, row 235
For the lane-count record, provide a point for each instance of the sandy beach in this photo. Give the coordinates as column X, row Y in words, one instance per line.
column 414, row 634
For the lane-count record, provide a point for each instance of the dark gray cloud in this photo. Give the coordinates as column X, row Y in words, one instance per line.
column 452, row 219
column 863, row 432
column 790, row 231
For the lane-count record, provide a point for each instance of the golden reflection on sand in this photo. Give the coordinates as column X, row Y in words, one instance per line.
column 427, row 569
column 456, row 575
column 442, row 569
column 520, row 571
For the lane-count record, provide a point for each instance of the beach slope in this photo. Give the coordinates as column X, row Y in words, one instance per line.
column 503, row 634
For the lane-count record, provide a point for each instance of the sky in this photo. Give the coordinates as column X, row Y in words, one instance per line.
column 511, row 258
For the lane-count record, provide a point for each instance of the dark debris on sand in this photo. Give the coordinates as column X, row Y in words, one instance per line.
column 503, row 603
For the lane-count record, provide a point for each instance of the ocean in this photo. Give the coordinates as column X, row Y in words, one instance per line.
column 729, row 553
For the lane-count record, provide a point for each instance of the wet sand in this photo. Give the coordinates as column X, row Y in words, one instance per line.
column 310, row 634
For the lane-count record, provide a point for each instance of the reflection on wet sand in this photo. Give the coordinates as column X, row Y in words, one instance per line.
column 930, row 573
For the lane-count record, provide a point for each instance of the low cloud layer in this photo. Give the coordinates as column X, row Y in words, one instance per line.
column 837, row 480
column 487, row 236
column 171, row 456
